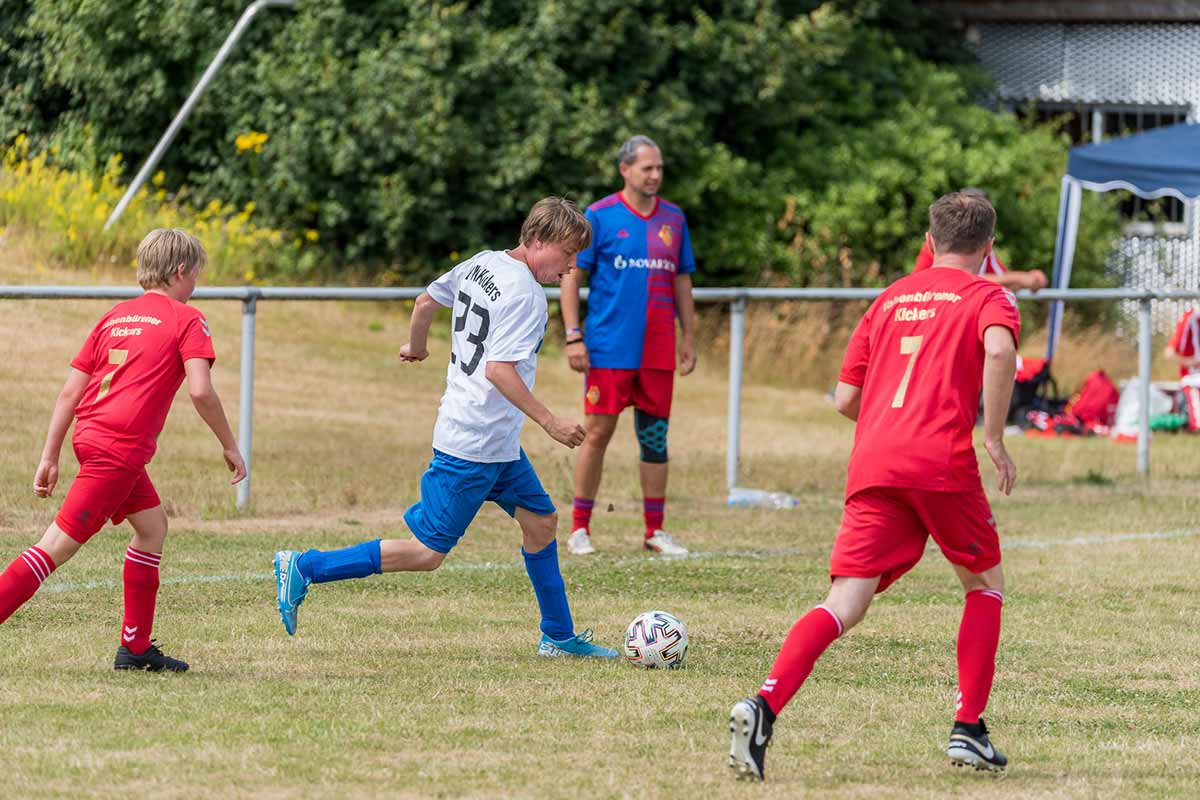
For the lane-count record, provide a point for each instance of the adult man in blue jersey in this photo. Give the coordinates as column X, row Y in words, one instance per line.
column 639, row 264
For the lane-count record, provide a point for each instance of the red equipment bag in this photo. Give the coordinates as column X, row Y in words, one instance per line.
column 1096, row 400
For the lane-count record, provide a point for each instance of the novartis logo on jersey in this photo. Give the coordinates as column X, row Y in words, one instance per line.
column 621, row 262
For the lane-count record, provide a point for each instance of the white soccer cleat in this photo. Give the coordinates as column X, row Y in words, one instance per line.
column 664, row 544
column 579, row 543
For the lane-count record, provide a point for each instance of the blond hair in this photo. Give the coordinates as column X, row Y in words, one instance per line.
column 557, row 220
column 163, row 251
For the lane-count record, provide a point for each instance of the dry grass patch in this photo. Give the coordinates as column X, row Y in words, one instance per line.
column 426, row 685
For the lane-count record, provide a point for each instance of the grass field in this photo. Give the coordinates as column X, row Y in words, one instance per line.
column 426, row 685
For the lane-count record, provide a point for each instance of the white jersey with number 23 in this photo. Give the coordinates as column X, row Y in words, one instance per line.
column 499, row 315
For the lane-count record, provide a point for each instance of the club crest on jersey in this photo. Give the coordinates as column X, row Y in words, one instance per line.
column 666, row 234
column 593, row 394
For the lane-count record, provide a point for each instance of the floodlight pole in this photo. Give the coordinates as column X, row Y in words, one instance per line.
column 185, row 111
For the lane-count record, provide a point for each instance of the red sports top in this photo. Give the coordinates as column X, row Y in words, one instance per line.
column 135, row 356
column 992, row 265
column 1185, row 341
column 918, row 356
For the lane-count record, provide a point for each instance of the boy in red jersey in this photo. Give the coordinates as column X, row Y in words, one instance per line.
column 1184, row 348
column 912, row 378
column 119, row 391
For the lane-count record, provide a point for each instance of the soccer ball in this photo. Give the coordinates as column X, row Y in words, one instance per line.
column 656, row 639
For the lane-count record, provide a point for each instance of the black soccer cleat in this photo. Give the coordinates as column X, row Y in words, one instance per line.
column 750, row 730
column 970, row 747
column 152, row 660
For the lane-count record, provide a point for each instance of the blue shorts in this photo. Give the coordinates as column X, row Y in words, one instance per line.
column 454, row 489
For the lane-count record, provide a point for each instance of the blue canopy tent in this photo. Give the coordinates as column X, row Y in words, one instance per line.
column 1158, row 163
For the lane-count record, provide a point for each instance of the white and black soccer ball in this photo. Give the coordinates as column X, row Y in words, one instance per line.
column 656, row 640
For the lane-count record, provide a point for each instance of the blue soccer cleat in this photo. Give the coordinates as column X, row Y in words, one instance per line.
column 292, row 587
column 578, row 645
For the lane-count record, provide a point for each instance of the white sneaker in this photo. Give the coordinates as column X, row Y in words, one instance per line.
column 580, row 543
column 662, row 542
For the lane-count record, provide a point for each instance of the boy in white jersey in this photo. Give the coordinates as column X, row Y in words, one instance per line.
column 499, row 321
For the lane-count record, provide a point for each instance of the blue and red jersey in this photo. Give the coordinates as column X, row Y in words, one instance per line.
column 633, row 261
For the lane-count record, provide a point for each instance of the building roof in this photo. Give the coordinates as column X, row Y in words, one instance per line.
column 1069, row 10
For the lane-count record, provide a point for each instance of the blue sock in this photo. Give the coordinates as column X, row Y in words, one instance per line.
column 358, row 561
column 547, row 581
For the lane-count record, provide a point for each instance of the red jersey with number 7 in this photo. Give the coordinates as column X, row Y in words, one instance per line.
column 135, row 356
column 918, row 356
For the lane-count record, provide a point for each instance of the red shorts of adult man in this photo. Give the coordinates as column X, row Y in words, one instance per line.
column 611, row 391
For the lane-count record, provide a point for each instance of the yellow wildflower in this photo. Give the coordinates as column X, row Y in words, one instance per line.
column 251, row 140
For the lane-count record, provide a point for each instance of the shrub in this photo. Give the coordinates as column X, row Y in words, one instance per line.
column 804, row 139
column 67, row 209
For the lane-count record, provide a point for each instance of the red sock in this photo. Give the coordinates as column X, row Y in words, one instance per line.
column 809, row 637
column 581, row 513
column 22, row 578
column 653, row 509
column 978, row 636
column 141, row 591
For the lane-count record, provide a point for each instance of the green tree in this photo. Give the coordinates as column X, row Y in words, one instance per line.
column 804, row 140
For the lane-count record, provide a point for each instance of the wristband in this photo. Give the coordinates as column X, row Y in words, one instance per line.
column 574, row 330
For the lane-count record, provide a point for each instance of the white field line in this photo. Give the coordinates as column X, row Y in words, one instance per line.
column 570, row 564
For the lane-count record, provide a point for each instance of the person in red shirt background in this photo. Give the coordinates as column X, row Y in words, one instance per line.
column 119, row 392
column 912, row 377
column 1184, row 347
column 991, row 267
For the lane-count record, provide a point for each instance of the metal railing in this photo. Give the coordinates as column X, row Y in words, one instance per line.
column 736, row 298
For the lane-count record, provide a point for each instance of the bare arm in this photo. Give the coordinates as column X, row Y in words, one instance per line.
column 1032, row 280
column 846, row 398
column 999, row 369
column 208, row 406
column 417, row 348
column 686, row 308
column 46, row 476
column 577, row 354
column 1186, row 361
column 503, row 375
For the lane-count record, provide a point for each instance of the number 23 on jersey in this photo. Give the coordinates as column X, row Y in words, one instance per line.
column 475, row 339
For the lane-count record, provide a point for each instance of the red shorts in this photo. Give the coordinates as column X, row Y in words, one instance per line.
column 611, row 391
column 103, row 489
column 884, row 530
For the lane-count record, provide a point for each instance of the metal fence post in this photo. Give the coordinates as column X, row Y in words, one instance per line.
column 1144, row 335
column 736, row 297
column 737, row 328
column 246, row 396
